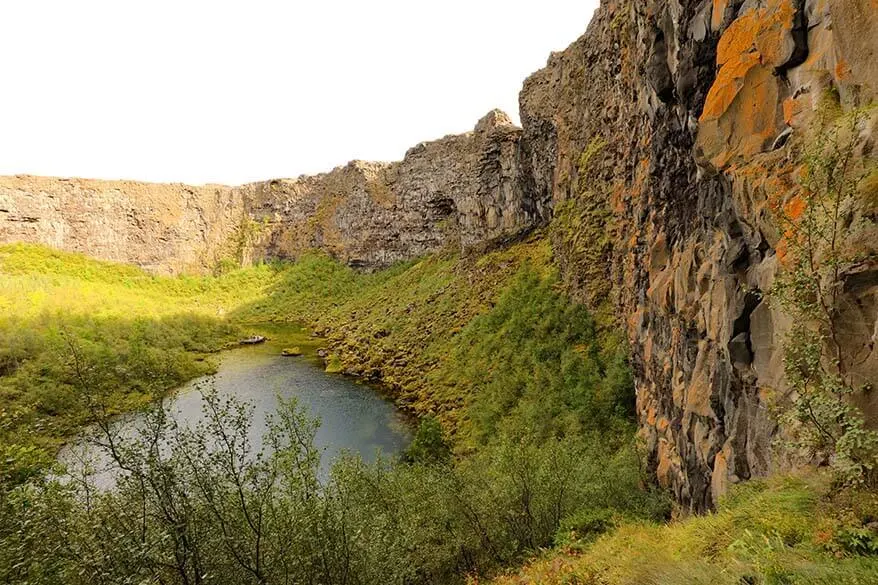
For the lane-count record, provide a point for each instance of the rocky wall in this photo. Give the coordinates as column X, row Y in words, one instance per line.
column 459, row 192
column 669, row 128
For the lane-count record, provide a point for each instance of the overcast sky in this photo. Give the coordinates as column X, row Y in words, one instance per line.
column 218, row 91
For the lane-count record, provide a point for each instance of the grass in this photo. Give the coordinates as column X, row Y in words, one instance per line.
column 35, row 280
column 399, row 326
column 146, row 334
column 784, row 530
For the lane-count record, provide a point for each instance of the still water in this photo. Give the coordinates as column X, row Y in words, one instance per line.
column 353, row 417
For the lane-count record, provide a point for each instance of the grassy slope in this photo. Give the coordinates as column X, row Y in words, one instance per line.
column 35, row 280
column 147, row 334
column 414, row 326
column 779, row 531
column 398, row 326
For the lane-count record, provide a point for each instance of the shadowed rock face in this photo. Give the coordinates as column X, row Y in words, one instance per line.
column 666, row 128
column 460, row 191
column 656, row 144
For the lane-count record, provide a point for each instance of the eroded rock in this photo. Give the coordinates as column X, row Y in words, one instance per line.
column 695, row 104
column 461, row 191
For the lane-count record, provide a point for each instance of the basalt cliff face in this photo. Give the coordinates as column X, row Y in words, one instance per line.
column 461, row 191
column 665, row 136
column 653, row 150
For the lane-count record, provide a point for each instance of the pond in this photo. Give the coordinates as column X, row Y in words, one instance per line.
column 353, row 416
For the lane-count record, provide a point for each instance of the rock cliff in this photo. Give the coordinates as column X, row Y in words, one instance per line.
column 665, row 135
column 163, row 228
column 463, row 191
column 654, row 148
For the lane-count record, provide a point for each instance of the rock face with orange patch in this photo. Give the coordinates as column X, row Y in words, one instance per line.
column 693, row 101
column 774, row 61
column 741, row 116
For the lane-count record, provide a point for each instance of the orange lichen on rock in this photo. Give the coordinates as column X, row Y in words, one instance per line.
column 792, row 212
column 719, row 11
column 758, row 37
column 756, row 123
column 792, row 107
column 781, row 250
column 774, row 39
column 739, row 39
column 728, row 83
column 742, row 114
column 794, row 208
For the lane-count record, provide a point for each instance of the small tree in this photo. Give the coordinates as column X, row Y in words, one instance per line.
column 822, row 421
column 429, row 444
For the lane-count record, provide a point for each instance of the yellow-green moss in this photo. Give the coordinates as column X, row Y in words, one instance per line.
column 583, row 234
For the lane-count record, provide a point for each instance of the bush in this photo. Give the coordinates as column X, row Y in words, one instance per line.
column 535, row 367
column 429, row 444
column 123, row 363
column 205, row 501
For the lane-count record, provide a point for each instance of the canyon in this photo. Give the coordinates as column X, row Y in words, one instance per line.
column 651, row 153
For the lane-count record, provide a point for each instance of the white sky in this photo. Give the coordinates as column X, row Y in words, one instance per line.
column 220, row 91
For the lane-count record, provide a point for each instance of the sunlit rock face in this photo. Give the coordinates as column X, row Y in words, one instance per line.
column 459, row 192
column 666, row 128
column 165, row 228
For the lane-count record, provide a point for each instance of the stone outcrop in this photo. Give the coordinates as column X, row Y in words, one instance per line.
column 164, row 228
column 655, row 147
column 668, row 130
column 461, row 191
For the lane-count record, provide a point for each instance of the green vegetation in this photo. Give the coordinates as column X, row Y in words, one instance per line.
column 429, row 445
column 44, row 361
column 399, row 326
column 526, row 439
column 147, row 334
column 782, row 531
column 210, row 508
column 546, row 427
column 583, row 231
column 534, row 368
column 823, row 235
column 35, row 281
